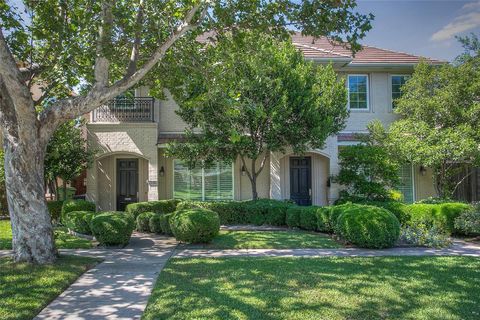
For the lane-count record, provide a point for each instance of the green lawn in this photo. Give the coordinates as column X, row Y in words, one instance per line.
column 318, row 288
column 62, row 238
column 268, row 240
column 26, row 289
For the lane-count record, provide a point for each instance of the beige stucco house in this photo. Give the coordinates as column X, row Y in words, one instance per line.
column 131, row 135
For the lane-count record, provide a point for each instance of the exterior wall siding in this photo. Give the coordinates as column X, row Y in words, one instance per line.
column 140, row 139
column 126, row 140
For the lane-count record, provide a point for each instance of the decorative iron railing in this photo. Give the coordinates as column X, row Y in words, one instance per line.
column 138, row 109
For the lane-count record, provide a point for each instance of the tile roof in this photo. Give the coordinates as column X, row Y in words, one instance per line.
column 323, row 48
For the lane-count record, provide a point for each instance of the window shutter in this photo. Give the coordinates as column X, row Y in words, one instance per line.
column 187, row 183
column 214, row 182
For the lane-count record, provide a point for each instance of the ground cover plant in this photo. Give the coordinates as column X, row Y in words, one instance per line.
column 63, row 240
column 26, row 289
column 318, row 288
column 271, row 240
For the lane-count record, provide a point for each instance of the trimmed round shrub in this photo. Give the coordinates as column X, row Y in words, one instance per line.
column 159, row 206
column 143, row 221
column 79, row 221
column 76, row 205
column 165, row 224
column 112, row 228
column 154, row 223
column 368, row 227
column 55, row 209
column 293, row 216
column 399, row 209
column 195, row 225
column 336, row 211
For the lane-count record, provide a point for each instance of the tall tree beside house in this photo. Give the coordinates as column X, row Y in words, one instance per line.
column 367, row 172
column 248, row 95
column 108, row 47
column 440, row 112
column 67, row 155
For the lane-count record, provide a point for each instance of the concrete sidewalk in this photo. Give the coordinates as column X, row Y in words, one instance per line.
column 117, row 288
column 458, row 248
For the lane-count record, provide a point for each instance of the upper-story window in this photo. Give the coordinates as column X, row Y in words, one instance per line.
column 358, row 92
column 397, row 82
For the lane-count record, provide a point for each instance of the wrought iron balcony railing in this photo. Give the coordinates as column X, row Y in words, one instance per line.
column 138, row 109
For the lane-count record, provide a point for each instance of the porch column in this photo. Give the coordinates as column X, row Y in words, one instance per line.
column 153, row 177
column 275, row 186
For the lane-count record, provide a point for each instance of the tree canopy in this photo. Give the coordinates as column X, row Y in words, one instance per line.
column 440, row 117
column 248, row 95
column 106, row 48
column 67, row 153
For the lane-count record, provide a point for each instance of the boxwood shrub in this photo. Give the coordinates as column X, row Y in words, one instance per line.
column 293, row 216
column 323, row 219
column 76, row 205
column 443, row 215
column 368, row 227
column 399, row 209
column 158, row 206
column 336, row 211
column 308, row 218
column 262, row 211
column 79, row 221
column 55, row 209
column 195, row 225
column 143, row 221
column 165, row 224
column 154, row 223
column 112, row 228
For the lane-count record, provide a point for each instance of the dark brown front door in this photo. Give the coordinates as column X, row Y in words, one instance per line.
column 301, row 180
column 127, row 182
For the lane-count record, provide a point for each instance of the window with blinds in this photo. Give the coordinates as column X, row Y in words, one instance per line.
column 406, row 183
column 214, row 182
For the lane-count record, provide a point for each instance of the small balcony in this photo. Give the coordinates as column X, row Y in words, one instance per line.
column 126, row 109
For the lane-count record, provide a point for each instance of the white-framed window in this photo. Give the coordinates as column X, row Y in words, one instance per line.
column 407, row 183
column 358, row 98
column 214, row 182
column 397, row 81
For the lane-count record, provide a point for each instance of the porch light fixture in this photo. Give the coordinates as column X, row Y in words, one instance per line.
column 423, row 170
column 243, row 171
column 162, row 171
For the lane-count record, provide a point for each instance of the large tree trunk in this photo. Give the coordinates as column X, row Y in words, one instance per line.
column 32, row 229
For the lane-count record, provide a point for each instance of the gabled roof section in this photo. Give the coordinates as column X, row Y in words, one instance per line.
column 324, row 49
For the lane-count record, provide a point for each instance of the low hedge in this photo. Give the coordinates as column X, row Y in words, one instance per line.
column 399, row 209
column 154, row 223
column 112, row 228
column 443, row 215
column 195, row 225
column 158, row 206
column 262, row 211
column 311, row 218
column 143, row 221
column 76, row 205
column 323, row 219
column 79, row 221
column 293, row 216
column 55, row 209
column 165, row 224
column 368, row 227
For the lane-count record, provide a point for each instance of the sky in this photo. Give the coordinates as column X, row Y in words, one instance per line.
column 421, row 27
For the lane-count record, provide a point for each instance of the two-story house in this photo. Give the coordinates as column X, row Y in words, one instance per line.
column 131, row 134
